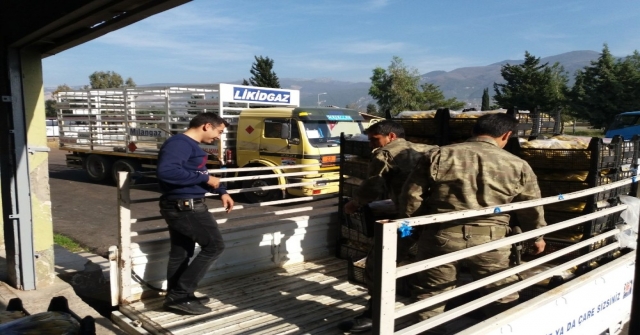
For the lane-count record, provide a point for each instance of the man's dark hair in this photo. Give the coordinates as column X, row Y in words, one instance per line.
column 495, row 125
column 385, row 127
column 208, row 117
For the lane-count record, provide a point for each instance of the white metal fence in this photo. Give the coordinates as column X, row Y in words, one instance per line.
column 147, row 260
column 384, row 311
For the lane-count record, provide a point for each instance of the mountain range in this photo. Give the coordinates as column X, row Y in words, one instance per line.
column 466, row 83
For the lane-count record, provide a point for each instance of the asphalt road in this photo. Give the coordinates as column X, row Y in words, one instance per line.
column 82, row 210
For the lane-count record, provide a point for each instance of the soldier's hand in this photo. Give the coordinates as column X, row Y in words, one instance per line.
column 351, row 207
column 214, row 182
column 539, row 246
column 227, row 202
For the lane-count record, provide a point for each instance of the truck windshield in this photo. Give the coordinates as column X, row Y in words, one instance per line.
column 328, row 132
column 624, row 121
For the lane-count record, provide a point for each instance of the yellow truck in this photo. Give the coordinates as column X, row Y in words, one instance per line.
column 111, row 130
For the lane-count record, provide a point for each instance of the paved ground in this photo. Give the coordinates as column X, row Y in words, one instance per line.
column 81, row 279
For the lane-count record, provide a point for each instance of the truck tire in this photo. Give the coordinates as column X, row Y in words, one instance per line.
column 261, row 196
column 98, row 168
column 125, row 165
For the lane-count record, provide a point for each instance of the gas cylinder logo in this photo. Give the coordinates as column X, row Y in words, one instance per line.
column 260, row 95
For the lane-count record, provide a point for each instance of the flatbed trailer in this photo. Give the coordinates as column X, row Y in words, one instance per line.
column 279, row 275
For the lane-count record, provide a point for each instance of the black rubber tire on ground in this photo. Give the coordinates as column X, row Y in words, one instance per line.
column 127, row 165
column 261, row 196
column 98, row 168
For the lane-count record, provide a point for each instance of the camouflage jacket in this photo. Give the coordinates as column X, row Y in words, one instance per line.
column 472, row 175
column 389, row 168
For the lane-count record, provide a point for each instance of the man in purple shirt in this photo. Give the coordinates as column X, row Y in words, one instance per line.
column 184, row 180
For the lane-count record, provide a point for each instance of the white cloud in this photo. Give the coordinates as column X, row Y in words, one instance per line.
column 365, row 47
column 376, row 4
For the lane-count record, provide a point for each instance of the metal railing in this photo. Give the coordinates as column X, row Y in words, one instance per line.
column 385, row 312
column 121, row 257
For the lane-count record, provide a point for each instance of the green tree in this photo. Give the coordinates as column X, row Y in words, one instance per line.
column 129, row 83
column 530, row 85
column 353, row 105
column 486, row 100
column 606, row 88
column 396, row 88
column 50, row 108
column 109, row 79
column 372, row 109
column 61, row 88
column 262, row 73
column 433, row 98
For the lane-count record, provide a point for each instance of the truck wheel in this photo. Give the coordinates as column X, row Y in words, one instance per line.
column 261, row 196
column 98, row 168
column 125, row 165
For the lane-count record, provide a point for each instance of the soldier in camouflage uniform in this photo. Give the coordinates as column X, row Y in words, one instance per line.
column 470, row 175
column 391, row 163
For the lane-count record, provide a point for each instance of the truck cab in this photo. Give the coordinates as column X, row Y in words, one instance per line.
column 625, row 125
column 289, row 136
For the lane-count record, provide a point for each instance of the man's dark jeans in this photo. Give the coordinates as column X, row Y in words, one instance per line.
column 186, row 228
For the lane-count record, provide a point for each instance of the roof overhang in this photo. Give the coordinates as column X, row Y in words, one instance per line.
column 54, row 26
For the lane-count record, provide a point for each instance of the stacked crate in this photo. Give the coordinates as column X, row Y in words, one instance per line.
column 530, row 124
column 356, row 230
column 443, row 127
column 422, row 127
column 561, row 171
column 355, row 237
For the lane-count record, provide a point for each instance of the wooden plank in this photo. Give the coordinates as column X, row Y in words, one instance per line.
column 311, row 297
column 248, row 250
column 248, row 298
column 303, row 270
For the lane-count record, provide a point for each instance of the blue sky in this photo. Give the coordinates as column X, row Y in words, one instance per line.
column 213, row 41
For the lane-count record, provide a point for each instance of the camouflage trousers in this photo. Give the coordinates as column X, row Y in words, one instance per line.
column 436, row 242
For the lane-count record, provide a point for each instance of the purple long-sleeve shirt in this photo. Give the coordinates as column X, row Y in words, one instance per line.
column 182, row 169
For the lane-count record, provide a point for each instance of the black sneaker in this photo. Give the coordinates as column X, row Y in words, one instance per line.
column 359, row 324
column 203, row 299
column 186, row 305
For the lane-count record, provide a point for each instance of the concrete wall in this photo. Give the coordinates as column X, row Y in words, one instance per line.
column 38, row 167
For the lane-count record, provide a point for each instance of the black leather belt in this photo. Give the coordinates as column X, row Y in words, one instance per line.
column 181, row 201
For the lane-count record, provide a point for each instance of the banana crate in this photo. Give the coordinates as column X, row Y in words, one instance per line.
column 361, row 221
column 527, row 121
column 356, row 256
column 563, row 211
column 349, row 189
column 554, row 183
column 555, row 244
column 420, row 127
column 355, row 167
column 355, row 238
column 575, row 155
column 421, row 124
column 629, row 151
column 357, row 148
column 364, row 219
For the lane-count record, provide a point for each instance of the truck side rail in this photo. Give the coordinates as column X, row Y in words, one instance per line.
column 385, row 313
column 130, row 260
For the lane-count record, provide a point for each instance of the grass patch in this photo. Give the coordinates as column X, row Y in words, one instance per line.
column 67, row 243
column 590, row 133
